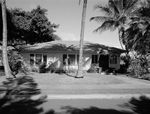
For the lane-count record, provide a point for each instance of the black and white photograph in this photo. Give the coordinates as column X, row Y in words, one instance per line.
column 74, row 56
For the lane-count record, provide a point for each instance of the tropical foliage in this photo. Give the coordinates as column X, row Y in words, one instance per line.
column 29, row 26
column 17, row 63
column 138, row 33
column 137, row 39
column 117, row 15
column 132, row 19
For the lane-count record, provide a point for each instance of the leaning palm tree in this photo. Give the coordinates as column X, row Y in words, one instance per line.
column 4, row 50
column 117, row 15
column 80, row 65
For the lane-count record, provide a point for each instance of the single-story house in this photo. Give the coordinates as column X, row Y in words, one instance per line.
column 65, row 55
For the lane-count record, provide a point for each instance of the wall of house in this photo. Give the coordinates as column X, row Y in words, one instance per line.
column 57, row 59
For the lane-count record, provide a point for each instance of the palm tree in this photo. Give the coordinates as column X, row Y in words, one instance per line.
column 117, row 15
column 4, row 50
column 138, row 33
column 80, row 65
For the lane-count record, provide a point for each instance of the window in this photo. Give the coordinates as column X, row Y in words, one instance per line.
column 94, row 59
column 45, row 58
column 64, row 59
column 113, row 59
column 38, row 59
column 71, row 59
column 31, row 59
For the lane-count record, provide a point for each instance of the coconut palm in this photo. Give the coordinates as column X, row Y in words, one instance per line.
column 117, row 15
column 138, row 33
column 80, row 65
column 4, row 50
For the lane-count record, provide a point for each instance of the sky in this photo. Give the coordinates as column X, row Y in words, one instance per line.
column 68, row 13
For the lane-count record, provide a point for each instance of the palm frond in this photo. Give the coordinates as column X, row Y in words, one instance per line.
column 105, row 9
column 132, row 5
column 107, row 25
column 113, row 5
column 134, row 13
column 119, row 6
column 100, row 18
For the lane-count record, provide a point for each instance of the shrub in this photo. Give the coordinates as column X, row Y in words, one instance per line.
column 16, row 63
column 138, row 67
column 92, row 68
column 33, row 68
column 51, row 67
column 42, row 67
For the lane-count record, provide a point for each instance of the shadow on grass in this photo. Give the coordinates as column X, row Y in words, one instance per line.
column 17, row 97
column 92, row 110
column 139, row 105
column 71, row 75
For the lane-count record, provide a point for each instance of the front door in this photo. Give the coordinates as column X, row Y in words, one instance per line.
column 104, row 62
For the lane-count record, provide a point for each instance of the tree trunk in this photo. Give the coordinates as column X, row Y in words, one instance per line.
column 80, row 65
column 120, row 37
column 4, row 47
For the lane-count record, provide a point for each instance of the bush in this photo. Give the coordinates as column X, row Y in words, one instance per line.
column 33, row 68
column 42, row 67
column 51, row 67
column 16, row 63
column 138, row 67
column 93, row 68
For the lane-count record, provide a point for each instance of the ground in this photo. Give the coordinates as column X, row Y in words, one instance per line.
column 94, row 90
column 91, row 84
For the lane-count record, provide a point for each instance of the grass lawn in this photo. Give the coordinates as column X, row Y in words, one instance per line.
column 92, row 83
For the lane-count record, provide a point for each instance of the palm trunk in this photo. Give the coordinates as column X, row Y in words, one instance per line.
column 120, row 32
column 120, row 37
column 4, row 49
column 80, row 65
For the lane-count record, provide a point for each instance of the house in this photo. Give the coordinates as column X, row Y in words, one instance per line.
column 65, row 55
